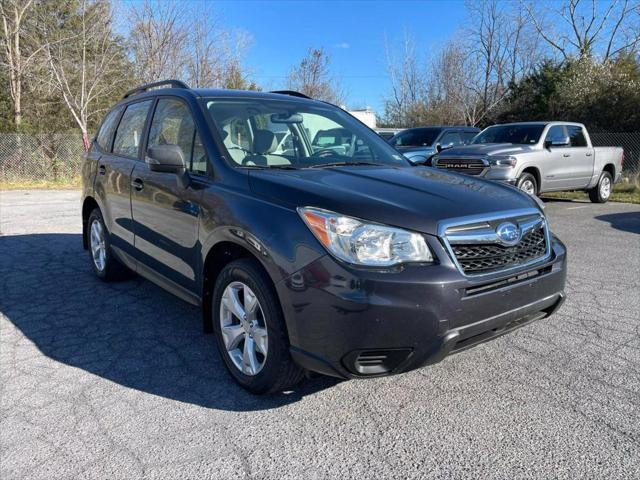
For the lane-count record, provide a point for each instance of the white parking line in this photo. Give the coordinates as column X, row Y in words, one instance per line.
column 574, row 208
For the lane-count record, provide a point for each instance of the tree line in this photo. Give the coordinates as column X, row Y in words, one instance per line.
column 523, row 60
column 63, row 63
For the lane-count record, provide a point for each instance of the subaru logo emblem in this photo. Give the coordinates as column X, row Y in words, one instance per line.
column 508, row 233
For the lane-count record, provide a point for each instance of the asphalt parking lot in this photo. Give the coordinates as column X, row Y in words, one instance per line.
column 117, row 381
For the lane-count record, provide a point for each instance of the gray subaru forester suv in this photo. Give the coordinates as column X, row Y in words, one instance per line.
column 334, row 256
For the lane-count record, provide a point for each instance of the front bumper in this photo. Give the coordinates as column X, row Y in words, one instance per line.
column 350, row 322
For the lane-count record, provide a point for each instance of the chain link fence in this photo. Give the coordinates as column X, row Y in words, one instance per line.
column 44, row 157
column 56, row 157
column 630, row 142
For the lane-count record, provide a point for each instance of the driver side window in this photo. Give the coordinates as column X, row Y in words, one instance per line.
column 556, row 134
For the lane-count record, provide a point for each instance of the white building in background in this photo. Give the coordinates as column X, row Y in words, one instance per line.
column 366, row 115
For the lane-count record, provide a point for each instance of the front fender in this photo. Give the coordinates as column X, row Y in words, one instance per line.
column 276, row 235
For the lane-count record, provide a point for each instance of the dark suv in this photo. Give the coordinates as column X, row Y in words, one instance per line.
column 420, row 144
column 303, row 256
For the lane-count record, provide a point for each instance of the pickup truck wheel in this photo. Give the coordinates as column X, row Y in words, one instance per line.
column 250, row 330
column 602, row 191
column 527, row 183
column 104, row 264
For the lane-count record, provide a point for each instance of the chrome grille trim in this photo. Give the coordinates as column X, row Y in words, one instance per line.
column 477, row 229
column 475, row 166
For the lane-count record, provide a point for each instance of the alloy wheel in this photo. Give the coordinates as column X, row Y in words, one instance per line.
column 605, row 187
column 243, row 327
column 528, row 187
column 97, row 243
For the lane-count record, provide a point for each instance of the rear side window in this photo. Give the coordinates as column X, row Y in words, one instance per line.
column 105, row 135
column 576, row 135
column 129, row 133
column 173, row 124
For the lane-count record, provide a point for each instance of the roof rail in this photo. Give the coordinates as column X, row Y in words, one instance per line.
column 161, row 83
column 291, row 93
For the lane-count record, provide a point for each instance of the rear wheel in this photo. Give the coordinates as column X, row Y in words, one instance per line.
column 104, row 264
column 250, row 330
column 528, row 184
column 602, row 191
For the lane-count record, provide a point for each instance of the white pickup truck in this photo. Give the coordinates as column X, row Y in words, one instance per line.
column 539, row 157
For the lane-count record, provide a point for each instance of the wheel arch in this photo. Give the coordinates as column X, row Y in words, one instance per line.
column 536, row 174
column 217, row 257
column 611, row 169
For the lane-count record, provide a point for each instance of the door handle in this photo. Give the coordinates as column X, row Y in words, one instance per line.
column 137, row 184
column 588, row 154
column 102, row 169
column 566, row 154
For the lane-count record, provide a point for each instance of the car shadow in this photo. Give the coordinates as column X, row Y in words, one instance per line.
column 563, row 200
column 131, row 332
column 627, row 221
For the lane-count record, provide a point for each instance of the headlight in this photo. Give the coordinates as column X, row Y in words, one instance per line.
column 503, row 161
column 434, row 160
column 362, row 243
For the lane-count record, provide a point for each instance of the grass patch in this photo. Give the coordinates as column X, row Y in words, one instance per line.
column 64, row 184
column 622, row 192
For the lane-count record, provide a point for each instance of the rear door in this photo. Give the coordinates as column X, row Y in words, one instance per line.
column 113, row 179
column 581, row 160
column 165, row 212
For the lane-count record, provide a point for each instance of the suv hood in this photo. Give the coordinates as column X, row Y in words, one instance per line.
column 485, row 149
column 415, row 198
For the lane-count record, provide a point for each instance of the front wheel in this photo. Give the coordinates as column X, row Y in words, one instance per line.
column 250, row 330
column 527, row 183
column 602, row 191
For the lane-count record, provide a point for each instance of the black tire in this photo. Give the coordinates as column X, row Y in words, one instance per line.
column 113, row 269
column 523, row 182
column 279, row 372
column 598, row 194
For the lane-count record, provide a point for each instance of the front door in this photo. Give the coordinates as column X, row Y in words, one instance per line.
column 165, row 208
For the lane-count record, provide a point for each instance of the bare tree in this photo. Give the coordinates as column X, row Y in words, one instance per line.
column 587, row 26
column 17, row 58
column 449, row 96
column 408, row 83
column 204, row 65
column 312, row 76
column 159, row 40
column 87, row 68
column 501, row 50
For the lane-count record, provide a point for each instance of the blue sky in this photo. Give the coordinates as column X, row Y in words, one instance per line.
column 352, row 32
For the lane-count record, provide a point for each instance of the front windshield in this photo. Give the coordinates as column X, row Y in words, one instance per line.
column 416, row 137
column 269, row 133
column 520, row 134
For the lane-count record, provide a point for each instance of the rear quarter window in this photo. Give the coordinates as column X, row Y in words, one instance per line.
column 105, row 134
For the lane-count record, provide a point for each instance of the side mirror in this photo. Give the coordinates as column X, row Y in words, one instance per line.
column 166, row 158
column 558, row 142
column 438, row 147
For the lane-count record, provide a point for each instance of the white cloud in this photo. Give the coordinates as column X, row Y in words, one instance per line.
column 342, row 45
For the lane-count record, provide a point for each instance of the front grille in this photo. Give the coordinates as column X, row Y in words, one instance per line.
column 477, row 249
column 470, row 166
column 486, row 258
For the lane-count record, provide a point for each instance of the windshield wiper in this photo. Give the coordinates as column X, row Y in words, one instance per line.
column 271, row 167
column 344, row 164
